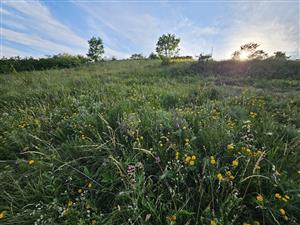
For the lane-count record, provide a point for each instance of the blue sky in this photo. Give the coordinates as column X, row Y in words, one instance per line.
column 39, row 28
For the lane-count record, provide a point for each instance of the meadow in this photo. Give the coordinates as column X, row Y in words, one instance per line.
column 135, row 142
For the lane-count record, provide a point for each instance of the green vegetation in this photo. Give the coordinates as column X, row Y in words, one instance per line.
column 167, row 45
column 137, row 56
column 135, row 142
column 249, row 51
column 60, row 61
column 96, row 49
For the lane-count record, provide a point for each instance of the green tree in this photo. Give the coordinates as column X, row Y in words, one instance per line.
column 137, row 56
column 167, row 45
column 153, row 56
column 251, row 51
column 258, row 54
column 249, row 47
column 96, row 49
column 280, row 55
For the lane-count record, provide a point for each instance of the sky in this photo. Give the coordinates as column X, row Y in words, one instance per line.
column 46, row 27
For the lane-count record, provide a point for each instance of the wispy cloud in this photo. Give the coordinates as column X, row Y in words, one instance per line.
column 128, row 27
column 266, row 24
column 140, row 31
column 3, row 11
column 40, row 29
column 35, row 42
column 12, row 52
column 37, row 17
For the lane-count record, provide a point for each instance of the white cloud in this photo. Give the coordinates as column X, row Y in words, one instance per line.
column 10, row 52
column 272, row 25
column 37, row 16
column 2, row 11
column 35, row 42
column 141, row 31
column 126, row 29
column 40, row 29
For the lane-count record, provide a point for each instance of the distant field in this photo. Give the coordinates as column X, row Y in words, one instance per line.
column 134, row 142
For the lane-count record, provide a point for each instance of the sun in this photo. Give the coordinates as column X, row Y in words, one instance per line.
column 244, row 56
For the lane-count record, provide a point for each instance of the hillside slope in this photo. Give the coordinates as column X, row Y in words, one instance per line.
column 134, row 142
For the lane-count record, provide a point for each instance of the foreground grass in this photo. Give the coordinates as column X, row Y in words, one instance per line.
column 132, row 142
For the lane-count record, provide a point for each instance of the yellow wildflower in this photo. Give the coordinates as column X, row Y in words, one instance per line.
column 298, row 171
column 89, row 185
column 194, row 157
column 3, row 214
column 94, row 222
column 192, row 163
column 229, row 175
column 278, row 196
column 177, row 155
column 284, row 199
column 235, row 163
column 30, row 162
column 172, row 217
column 188, row 159
column 213, row 222
column 80, row 190
column 253, row 115
column 212, row 160
column 220, row 177
column 287, row 197
column 256, row 223
column 246, row 224
column 248, row 151
column 187, row 140
column 285, row 218
column 260, row 198
column 230, row 146
column 259, row 153
column 282, row 211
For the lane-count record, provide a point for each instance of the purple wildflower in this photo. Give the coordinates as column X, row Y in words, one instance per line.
column 130, row 169
column 157, row 159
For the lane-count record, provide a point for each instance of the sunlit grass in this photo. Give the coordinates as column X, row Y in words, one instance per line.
column 134, row 142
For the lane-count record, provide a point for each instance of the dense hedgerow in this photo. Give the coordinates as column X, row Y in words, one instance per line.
column 133, row 142
column 17, row 64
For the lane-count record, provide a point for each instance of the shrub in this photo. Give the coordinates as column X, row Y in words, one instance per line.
column 137, row 56
column 269, row 68
column 8, row 65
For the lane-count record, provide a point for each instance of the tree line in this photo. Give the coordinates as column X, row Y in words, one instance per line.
column 167, row 48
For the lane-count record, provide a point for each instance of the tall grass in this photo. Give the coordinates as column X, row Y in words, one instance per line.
column 133, row 142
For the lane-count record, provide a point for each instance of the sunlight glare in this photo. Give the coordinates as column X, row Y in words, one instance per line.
column 244, row 56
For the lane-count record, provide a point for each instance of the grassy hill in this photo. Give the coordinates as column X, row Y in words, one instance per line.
column 134, row 142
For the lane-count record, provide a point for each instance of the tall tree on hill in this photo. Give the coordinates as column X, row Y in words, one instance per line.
column 249, row 51
column 96, row 49
column 167, row 45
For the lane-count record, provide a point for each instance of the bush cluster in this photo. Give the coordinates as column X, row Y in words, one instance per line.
column 17, row 64
column 269, row 68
